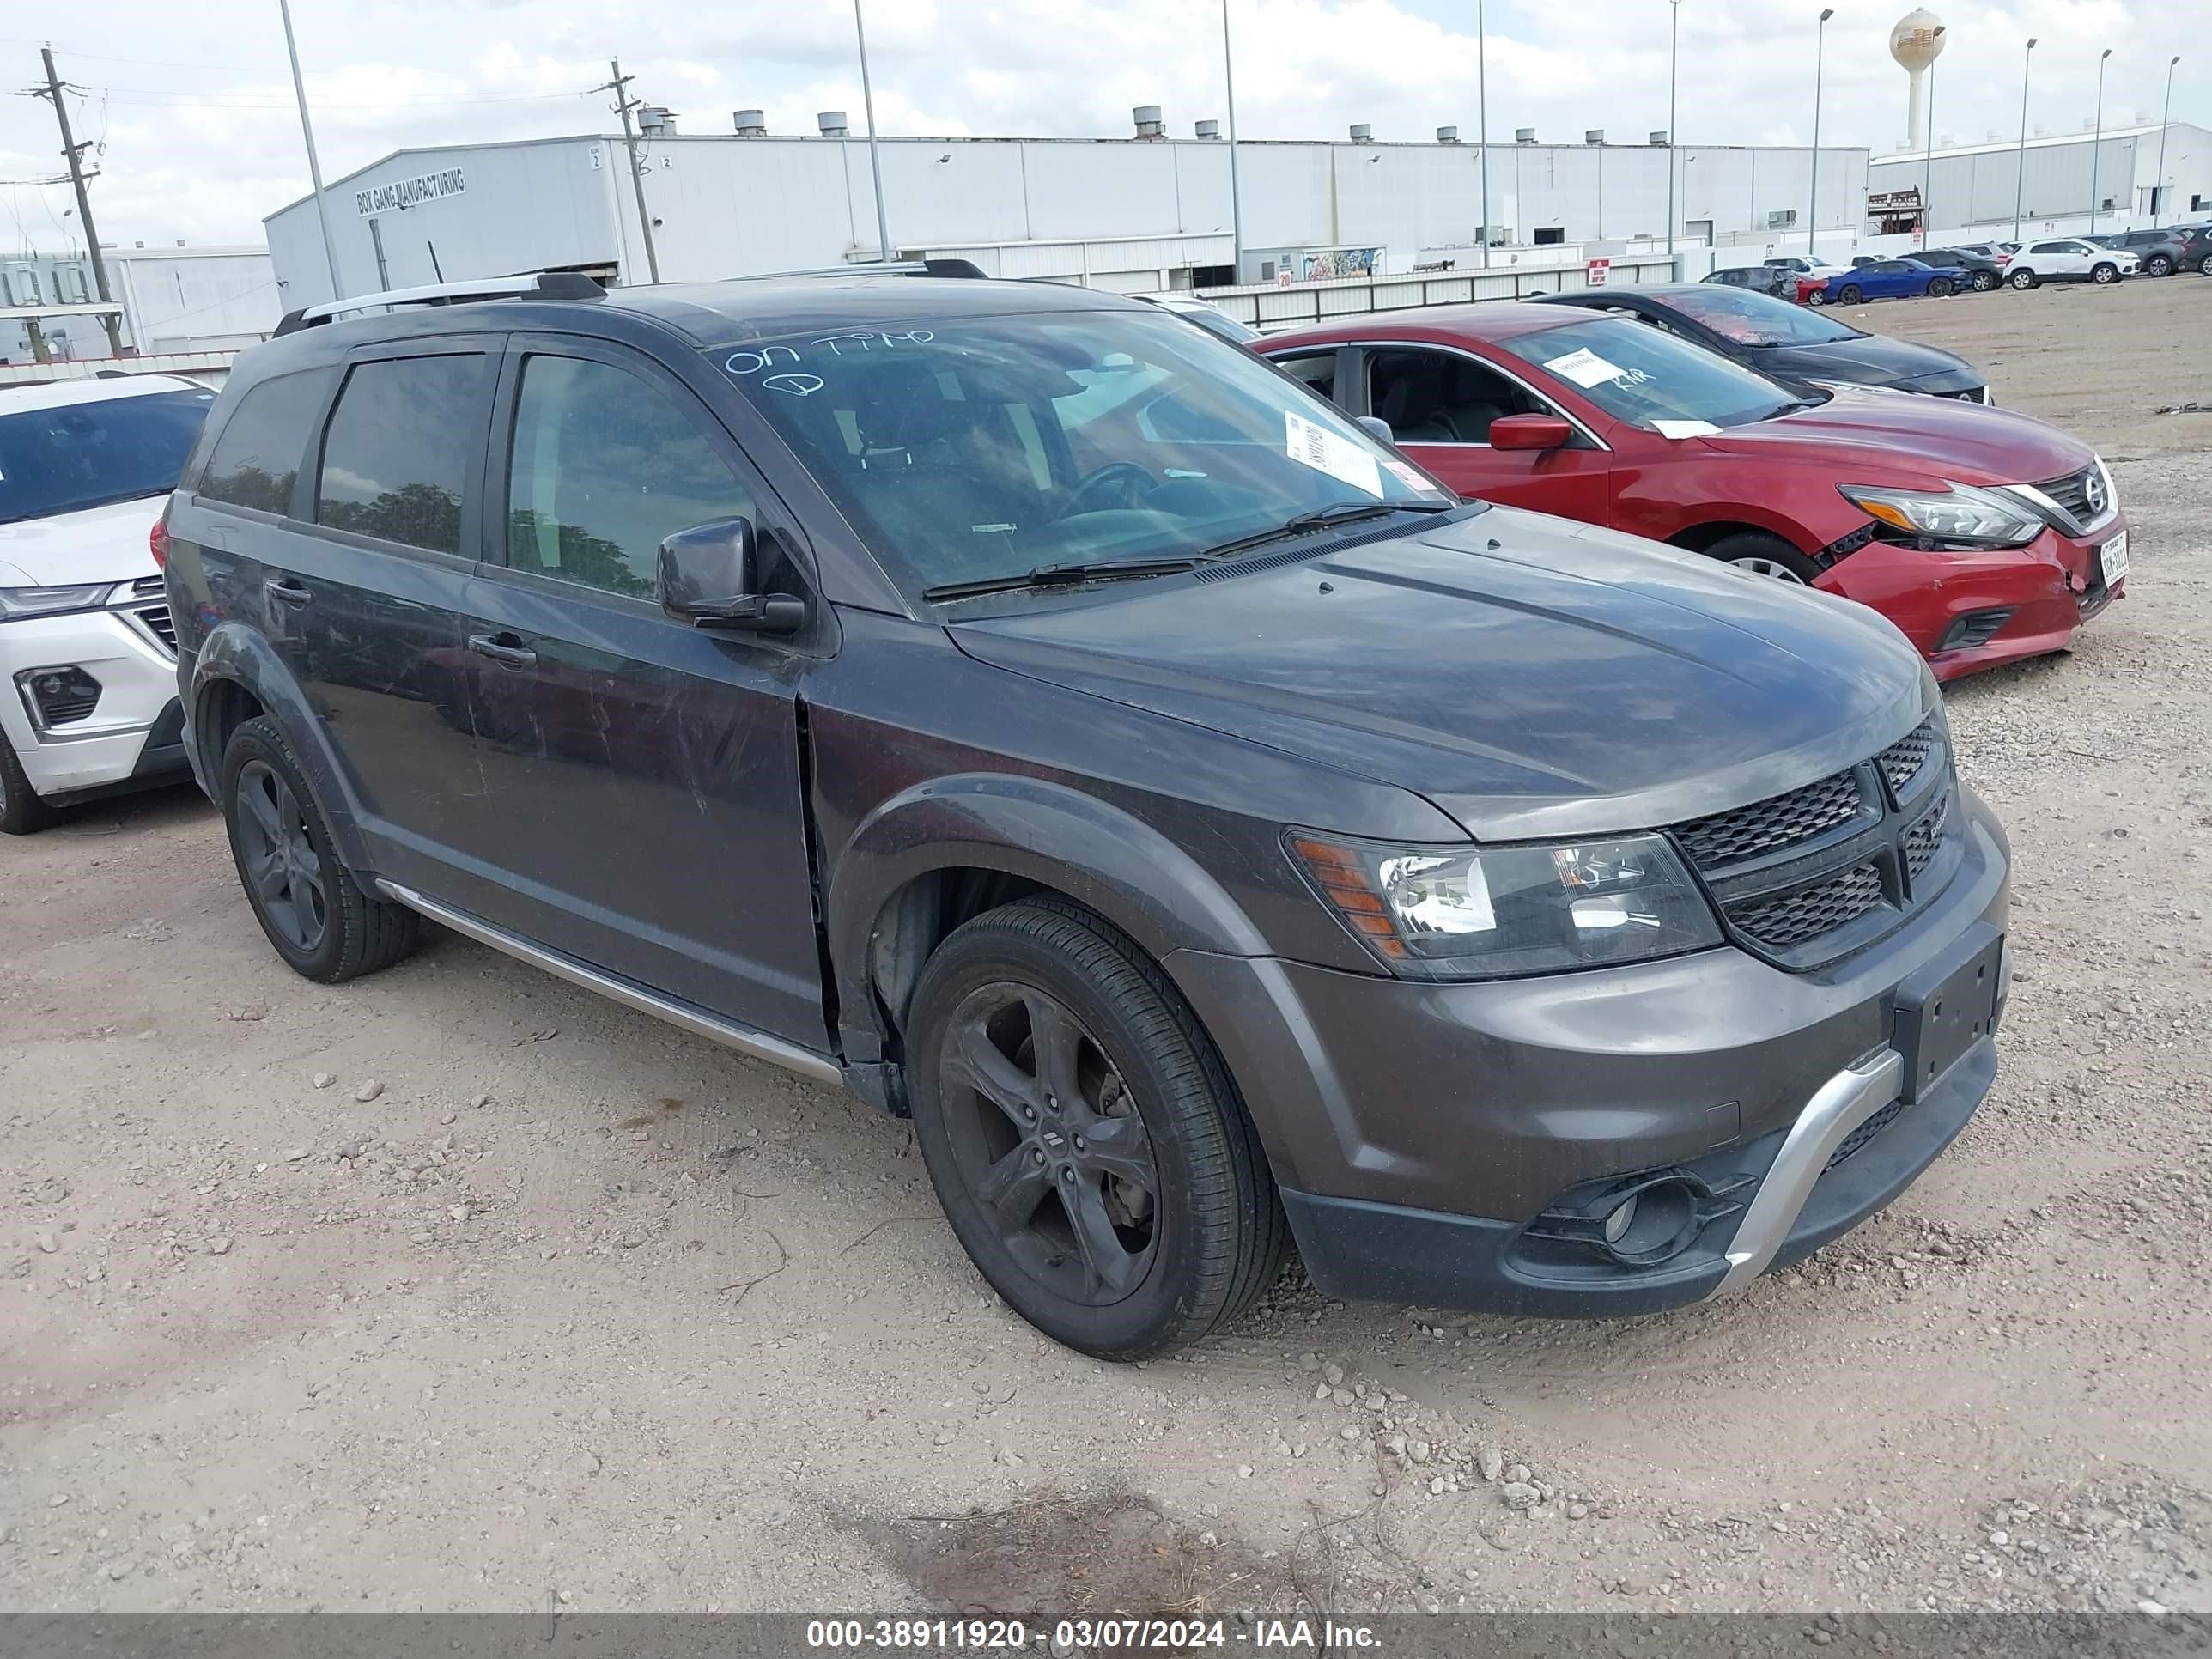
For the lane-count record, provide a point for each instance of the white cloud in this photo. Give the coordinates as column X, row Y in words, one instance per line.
column 200, row 140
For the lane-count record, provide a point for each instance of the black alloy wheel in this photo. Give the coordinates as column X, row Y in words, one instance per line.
column 1939, row 287
column 1850, row 295
column 277, row 860
column 1086, row 1138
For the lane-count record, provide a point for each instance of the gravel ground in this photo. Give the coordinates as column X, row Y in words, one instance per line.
column 457, row 1289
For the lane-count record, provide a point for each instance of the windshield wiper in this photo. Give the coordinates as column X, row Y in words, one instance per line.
column 1321, row 517
column 1061, row 575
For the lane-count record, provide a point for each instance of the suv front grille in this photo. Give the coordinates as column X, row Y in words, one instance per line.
column 1809, row 875
column 2071, row 493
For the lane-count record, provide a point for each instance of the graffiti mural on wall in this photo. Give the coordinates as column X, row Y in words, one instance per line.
column 1340, row 262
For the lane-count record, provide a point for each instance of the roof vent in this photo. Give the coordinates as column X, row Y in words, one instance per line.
column 1149, row 125
column 1594, row 136
column 1448, row 135
column 1524, row 135
column 1362, row 133
column 751, row 124
column 1209, row 129
column 1658, row 136
column 833, row 123
column 656, row 121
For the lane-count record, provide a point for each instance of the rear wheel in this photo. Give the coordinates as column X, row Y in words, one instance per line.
column 1850, row 295
column 22, row 812
column 1939, row 287
column 1084, row 1136
column 2104, row 274
column 307, row 903
column 2022, row 280
column 1757, row 553
column 1983, row 281
column 2158, row 265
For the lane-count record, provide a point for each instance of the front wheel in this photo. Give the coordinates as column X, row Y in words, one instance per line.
column 1939, row 288
column 1984, row 281
column 22, row 810
column 1084, row 1136
column 1818, row 296
column 2103, row 275
column 1851, row 295
column 1757, row 553
column 2023, row 280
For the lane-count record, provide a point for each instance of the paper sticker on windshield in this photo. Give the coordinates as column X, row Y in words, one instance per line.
column 1412, row 478
column 1318, row 447
column 1585, row 369
column 1683, row 428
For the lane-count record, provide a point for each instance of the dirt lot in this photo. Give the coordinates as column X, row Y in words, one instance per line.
column 457, row 1289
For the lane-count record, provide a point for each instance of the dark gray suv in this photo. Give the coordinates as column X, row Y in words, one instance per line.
column 1052, row 722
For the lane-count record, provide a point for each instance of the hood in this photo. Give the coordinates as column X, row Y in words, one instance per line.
column 1872, row 360
column 1528, row 675
column 96, row 544
column 1909, row 439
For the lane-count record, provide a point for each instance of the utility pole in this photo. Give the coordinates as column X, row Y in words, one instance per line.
column 73, row 152
column 623, row 104
column 875, row 151
column 314, row 163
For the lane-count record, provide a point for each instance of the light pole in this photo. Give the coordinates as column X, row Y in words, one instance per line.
column 1928, row 165
column 1235, row 195
column 314, row 167
column 2097, row 143
column 875, row 155
column 1813, row 206
column 2020, row 187
column 1482, row 122
column 2158, row 182
column 1673, row 57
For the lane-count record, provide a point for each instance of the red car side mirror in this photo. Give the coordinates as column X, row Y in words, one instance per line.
column 1530, row 432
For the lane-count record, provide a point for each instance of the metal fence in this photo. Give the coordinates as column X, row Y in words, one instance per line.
column 1272, row 306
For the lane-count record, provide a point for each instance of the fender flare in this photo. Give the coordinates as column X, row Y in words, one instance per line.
column 1096, row 852
column 237, row 654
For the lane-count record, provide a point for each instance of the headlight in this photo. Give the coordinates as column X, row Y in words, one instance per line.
column 1457, row 913
column 45, row 601
column 1985, row 517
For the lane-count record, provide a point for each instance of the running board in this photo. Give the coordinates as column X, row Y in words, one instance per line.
column 743, row 1038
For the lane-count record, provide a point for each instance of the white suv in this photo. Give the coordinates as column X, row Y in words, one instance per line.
column 87, row 658
column 2067, row 259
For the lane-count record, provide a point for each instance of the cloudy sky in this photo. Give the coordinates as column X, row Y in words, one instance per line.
column 191, row 103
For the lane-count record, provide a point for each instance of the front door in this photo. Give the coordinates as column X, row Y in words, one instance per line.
column 645, row 773
column 1439, row 405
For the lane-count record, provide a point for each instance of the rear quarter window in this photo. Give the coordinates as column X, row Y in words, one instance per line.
column 255, row 457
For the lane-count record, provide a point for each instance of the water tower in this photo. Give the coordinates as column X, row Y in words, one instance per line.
column 1916, row 41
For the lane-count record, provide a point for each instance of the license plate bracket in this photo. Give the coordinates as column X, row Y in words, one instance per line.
column 2112, row 560
column 1946, row 1008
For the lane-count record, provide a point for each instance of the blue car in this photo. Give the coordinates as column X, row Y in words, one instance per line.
column 1890, row 279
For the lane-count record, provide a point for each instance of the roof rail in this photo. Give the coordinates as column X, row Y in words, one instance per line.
column 534, row 285
column 967, row 268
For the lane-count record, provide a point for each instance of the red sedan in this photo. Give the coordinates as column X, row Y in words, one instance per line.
column 1986, row 536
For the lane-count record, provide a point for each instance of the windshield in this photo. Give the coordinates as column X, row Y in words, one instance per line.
column 1655, row 381
column 987, row 447
column 113, row 449
column 1756, row 320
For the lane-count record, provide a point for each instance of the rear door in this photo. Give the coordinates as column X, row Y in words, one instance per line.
column 1440, row 404
column 361, row 588
column 645, row 773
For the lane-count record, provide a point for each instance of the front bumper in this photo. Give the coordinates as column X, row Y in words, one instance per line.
column 1421, row 1132
column 1946, row 602
column 133, row 735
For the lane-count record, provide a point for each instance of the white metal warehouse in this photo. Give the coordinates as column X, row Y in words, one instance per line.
column 1141, row 214
column 2049, row 180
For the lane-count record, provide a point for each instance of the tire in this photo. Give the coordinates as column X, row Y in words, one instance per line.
column 1091, row 1258
column 1983, row 281
column 2022, row 280
column 1850, row 295
column 2104, row 274
column 23, row 812
column 1939, row 287
column 1757, row 553
column 307, row 903
column 2158, row 265
column 1818, row 296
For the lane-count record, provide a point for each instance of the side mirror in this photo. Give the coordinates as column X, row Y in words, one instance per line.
column 1530, row 432
column 710, row 577
column 1376, row 427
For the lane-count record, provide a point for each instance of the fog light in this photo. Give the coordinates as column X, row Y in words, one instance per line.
column 1617, row 1223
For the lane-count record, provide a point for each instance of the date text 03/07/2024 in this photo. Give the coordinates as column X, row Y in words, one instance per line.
column 1091, row 1635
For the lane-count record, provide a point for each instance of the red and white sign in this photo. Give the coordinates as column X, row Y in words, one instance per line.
column 1597, row 270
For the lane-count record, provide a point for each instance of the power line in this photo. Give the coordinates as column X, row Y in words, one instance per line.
column 163, row 100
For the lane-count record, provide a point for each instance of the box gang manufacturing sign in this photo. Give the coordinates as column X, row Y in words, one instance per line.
column 410, row 192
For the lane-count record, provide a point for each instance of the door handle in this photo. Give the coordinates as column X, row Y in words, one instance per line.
column 507, row 650
column 287, row 591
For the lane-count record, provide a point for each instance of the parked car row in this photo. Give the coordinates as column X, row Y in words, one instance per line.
column 1977, row 267
column 1214, row 822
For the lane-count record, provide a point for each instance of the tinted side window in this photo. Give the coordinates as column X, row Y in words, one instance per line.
column 605, row 465
column 1437, row 398
column 257, row 455
column 397, row 450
